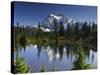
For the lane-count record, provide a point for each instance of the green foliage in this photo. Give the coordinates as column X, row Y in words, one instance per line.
column 79, row 62
column 20, row 66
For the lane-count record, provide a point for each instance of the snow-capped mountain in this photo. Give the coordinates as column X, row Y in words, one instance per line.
column 48, row 22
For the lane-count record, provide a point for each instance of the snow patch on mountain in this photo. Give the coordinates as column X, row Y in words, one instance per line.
column 45, row 29
column 56, row 17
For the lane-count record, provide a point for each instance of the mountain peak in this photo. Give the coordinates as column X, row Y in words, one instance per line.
column 56, row 16
column 48, row 22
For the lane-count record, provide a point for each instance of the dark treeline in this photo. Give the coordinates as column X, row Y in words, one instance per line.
column 73, row 32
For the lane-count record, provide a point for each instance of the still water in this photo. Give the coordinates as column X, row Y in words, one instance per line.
column 61, row 58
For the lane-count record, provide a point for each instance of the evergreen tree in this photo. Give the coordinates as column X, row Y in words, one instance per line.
column 55, row 28
column 39, row 31
column 68, row 30
column 79, row 62
column 84, row 30
column 77, row 30
column 61, row 29
column 94, row 34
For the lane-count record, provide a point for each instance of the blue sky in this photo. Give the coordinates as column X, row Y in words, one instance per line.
column 27, row 13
